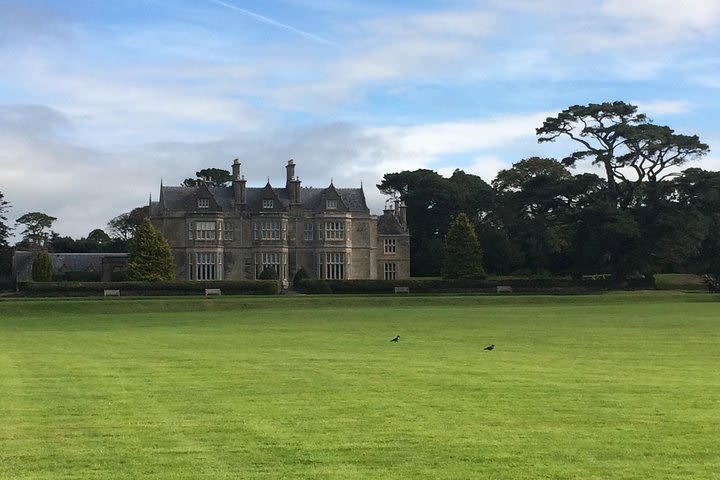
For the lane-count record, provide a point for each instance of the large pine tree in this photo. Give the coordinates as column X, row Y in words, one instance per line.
column 150, row 256
column 463, row 257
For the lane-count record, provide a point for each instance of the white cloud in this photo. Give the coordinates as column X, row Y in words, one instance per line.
column 462, row 136
column 667, row 18
column 662, row 107
column 484, row 166
column 647, row 26
column 449, row 23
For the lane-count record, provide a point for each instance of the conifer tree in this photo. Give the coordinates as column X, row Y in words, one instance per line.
column 5, row 251
column 42, row 267
column 150, row 256
column 463, row 257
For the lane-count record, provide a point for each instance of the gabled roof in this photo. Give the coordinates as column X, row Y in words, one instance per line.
column 353, row 199
column 203, row 192
column 255, row 197
column 185, row 198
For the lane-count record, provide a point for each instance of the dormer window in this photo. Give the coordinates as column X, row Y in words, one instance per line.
column 268, row 203
column 331, row 204
column 203, row 203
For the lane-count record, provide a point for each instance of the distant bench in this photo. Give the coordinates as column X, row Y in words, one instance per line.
column 212, row 291
column 503, row 289
column 111, row 293
column 599, row 276
column 402, row 289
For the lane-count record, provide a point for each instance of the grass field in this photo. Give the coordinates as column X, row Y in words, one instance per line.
column 614, row 386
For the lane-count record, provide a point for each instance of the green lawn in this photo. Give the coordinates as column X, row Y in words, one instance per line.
column 613, row 386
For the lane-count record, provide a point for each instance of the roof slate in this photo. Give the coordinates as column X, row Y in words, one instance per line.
column 183, row 198
column 388, row 224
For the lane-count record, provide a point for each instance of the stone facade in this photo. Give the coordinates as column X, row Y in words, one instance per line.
column 235, row 232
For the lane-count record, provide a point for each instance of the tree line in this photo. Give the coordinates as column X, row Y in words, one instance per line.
column 643, row 216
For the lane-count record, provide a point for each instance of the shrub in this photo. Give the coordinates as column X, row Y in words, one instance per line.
column 268, row 273
column 300, row 275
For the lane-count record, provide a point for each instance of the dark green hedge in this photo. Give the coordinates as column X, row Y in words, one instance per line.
column 249, row 287
column 539, row 285
column 77, row 277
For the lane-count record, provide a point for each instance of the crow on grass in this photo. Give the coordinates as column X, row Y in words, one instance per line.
column 396, row 339
column 490, row 347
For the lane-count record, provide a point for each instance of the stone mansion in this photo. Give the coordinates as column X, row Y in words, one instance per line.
column 235, row 232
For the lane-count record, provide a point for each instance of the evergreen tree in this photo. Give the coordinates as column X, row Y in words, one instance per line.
column 463, row 257
column 4, row 227
column 150, row 256
column 5, row 251
column 42, row 267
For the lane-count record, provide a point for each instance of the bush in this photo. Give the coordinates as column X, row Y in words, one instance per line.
column 314, row 286
column 300, row 275
column 268, row 273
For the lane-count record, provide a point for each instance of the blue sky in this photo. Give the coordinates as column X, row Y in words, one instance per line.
column 99, row 101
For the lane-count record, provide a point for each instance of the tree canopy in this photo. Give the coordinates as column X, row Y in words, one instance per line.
column 123, row 226
column 540, row 218
column 601, row 129
column 36, row 231
column 216, row 177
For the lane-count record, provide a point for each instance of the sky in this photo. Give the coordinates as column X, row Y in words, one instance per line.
column 100, row 102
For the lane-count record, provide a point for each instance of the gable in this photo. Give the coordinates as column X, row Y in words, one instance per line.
column 266, row 199
column 203, row 201
column 331, row 201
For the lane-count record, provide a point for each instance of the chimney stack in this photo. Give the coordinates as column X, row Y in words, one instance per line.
column 236, row 169
column 290, row 172
column 401, row 213
column 292, row 183
column 238, row 184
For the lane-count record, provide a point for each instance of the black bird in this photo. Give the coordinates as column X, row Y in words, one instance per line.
column 490, row 347
column 395, row 339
